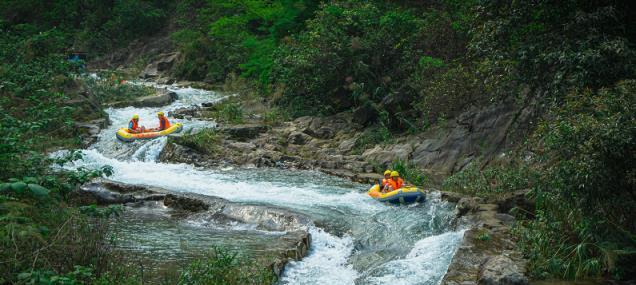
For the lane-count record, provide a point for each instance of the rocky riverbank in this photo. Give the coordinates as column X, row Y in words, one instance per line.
column 488, row 254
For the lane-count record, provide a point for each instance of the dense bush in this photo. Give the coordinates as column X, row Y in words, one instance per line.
column 225, row 267
column 96, row 26
column 220, row 37
column 555, row 46
column 587, row 190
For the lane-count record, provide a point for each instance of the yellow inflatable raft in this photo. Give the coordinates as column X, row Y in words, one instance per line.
column 404, row 195
column 123, row 134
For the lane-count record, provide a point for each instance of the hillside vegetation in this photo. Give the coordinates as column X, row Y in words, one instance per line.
column 417, row 63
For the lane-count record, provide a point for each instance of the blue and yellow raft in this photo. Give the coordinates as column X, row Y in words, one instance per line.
column 404, row 195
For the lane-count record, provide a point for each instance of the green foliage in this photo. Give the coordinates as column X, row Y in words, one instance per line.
column 33, row 113
column 114, row 89
column 409, row 172
column 378, row 134
column 346, row 46
column 228, row 111
column 225, row 267
column 274, row 116
column 445, row 91
column 555, row 46
column 586, row 192
column 492, row 180
column 231, row 113
column 205, row 141
column 224, row 37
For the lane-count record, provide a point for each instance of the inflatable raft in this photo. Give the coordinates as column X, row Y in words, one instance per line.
column 123, row 134
column 404, row 195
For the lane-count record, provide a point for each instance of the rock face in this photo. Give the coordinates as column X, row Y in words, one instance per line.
column 487, row 255
column 501, row 270
column 160, row 64
column 89, row 131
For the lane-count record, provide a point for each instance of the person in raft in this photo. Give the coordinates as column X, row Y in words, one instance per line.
column 395, row 182
column 385, row 181
column 133, row 125
column 164, row 123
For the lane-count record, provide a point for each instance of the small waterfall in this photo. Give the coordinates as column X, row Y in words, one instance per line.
column 150, row 151
column 327, row 262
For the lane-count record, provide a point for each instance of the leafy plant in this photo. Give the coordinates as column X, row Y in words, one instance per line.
column 409, row 172
column 225, row 267
column 205, row 141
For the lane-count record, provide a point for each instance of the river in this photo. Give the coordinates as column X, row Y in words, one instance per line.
column 355, row 240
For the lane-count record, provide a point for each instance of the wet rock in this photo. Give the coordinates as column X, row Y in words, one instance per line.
column 244, row 132
column 505, row 219
column 184, row 203
column 321, row 133
column 242, row 146
column 501, row 270
column 451, row 196
column 89, row 131
column 369, row 177
column 298, row 138
column 383, row 156
column 347, row 145
column 467, row 204
column 160, row 64
column 95, row 193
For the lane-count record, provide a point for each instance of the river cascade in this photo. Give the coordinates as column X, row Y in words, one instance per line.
column 355, row 240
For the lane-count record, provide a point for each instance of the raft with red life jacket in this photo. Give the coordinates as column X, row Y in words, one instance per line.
column 125, row 135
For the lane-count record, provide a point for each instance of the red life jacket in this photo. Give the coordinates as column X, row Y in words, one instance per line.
column 163, row 123
column 133, row 125
column 396, row 184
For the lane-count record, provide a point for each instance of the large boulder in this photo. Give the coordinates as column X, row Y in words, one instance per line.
column 298, row 138
column 401, row 152
column 347, row 145
column 162, row 98
column 501, row 270
column 161, row 63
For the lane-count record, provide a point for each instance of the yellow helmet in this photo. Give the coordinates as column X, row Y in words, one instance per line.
column 160, row 113
column 395, row 174
column 135, row 116
column 387, row 172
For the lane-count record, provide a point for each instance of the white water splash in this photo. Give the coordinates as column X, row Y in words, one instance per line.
column 326, row 262
column 425, row 264
column 151, row 150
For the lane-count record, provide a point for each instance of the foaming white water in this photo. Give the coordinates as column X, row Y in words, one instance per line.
column 119, row 118
column 228, row 185
column 326, row 262
column 150, row 151
column 425, row 264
